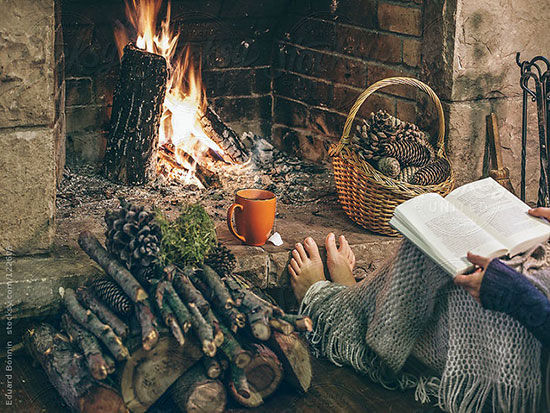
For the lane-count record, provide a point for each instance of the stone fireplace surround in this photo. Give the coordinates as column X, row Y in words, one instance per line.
column 288, row 70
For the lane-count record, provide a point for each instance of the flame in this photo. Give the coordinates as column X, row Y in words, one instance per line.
column 185, row 99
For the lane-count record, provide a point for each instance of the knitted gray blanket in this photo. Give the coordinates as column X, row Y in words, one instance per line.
column 411, row 307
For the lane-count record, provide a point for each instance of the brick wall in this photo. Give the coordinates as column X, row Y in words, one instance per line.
column 328, row 52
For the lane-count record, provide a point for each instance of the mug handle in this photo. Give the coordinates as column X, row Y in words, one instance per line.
column 230, row 212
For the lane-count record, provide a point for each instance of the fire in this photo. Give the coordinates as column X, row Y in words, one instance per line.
column 185, row 99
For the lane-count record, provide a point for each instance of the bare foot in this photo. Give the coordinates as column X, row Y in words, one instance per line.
column 340, row 261
column 306, row 267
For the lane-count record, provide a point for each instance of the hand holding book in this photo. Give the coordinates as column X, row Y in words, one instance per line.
column 481, row 217
column 472, row 282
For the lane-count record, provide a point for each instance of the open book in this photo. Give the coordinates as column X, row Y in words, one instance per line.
column 481, row 217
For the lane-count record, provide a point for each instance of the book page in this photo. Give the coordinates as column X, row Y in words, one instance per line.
column 501, row 214
column 446, row 231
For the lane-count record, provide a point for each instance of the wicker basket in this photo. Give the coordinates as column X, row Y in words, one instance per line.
column 367, row 196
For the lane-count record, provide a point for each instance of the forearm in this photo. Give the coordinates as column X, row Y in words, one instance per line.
column 505, row 290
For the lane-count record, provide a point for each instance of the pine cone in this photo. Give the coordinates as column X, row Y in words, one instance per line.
column 221, row 260
column 112, row 295
column 407, row 173
column 433, row 173
column 407, row 152
column 389, row 167
column 134, row 239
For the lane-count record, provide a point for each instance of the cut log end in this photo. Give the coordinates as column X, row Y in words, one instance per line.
column 102, row 399
column 206, row 398
column 294, row 355
column 209, row 348
column 265, row 372
column 242, row 359
column 261, row 330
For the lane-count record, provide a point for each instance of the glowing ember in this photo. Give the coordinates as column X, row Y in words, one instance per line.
column 185, row 97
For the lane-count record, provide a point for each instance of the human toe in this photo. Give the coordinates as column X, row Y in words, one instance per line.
column 312, row 249
column 296, row 255
column 300, row 249
column 330, row 244
column 344, row 246
column 295, row 266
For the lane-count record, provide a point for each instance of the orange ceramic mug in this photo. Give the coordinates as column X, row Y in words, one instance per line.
column 254, row 214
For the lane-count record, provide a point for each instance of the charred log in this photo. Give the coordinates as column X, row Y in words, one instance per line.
column 135, row 118
column 224, row 136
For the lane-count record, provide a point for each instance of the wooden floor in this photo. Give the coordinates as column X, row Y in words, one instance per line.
column 333, row 390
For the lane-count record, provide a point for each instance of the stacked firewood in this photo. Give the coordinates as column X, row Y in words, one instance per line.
column 247, row 343
column 398, row 149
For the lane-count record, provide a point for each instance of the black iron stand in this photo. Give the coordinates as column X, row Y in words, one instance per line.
column 531, row 71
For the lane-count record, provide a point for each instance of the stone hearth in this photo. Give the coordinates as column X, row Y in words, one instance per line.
column 307, row 205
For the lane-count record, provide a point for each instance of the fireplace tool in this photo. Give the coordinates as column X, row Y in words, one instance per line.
column 531, row 72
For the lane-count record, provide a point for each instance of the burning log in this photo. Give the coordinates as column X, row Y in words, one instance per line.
column 206, row 177
column 68, row 373
column 135, row 119
column 224, row 136
column 193, row 392
column 294, row 355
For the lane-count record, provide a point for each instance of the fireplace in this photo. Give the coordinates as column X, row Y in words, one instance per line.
column 281, row 74
column 262, row 91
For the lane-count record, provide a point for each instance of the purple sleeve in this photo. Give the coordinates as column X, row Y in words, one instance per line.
column 504, row 289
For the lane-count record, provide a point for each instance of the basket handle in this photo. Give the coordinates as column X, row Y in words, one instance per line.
column 392, row 81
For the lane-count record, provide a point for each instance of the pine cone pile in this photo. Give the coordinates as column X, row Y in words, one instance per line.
column 134, row 239
column 398, row 149
column 221, row 260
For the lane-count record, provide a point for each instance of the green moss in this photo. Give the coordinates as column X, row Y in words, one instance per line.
column 188, row 239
